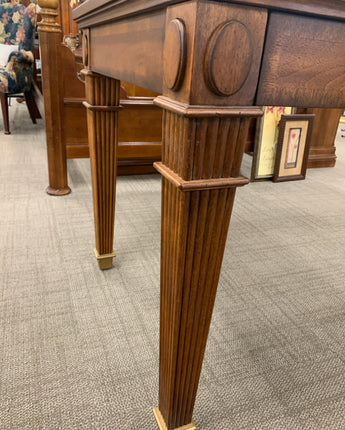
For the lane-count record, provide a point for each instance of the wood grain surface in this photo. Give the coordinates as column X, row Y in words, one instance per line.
column 303, row 63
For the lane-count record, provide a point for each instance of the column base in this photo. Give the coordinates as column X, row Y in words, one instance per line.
column 163, row 426
column 58, row 191
column 105, row 261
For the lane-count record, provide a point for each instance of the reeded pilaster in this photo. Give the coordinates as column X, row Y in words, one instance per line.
column 202, row 154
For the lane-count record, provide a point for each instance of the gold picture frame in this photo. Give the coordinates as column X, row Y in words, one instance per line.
column 266, row 137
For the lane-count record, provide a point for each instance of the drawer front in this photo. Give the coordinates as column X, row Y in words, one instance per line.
column 303, row 62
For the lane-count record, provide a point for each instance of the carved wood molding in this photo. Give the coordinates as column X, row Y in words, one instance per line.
column 201, row 184
column 221, row 51
column 191, row 111
column 86, row 48
column 49, row 13
column 100, row 108
column 127, row 104
column 175, row 54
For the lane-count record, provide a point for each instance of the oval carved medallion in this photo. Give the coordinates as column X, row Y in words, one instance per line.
column 175, row 54
column 229, row 44
column 85, row 50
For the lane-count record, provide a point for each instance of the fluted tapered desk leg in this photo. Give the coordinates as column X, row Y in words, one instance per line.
column 202, row 153
column 102, row 102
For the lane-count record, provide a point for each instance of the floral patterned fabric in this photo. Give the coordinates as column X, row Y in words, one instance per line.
column 17, row 27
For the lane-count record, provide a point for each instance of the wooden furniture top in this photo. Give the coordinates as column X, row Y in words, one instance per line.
column 224, row 53
column 100, row 11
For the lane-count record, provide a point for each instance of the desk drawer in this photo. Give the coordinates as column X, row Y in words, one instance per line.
column 303, row 63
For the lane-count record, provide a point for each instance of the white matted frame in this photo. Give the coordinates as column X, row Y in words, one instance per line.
column 293, row 146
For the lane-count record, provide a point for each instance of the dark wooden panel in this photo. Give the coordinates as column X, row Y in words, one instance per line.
column 293, row 73
column 73, row 87
column 129, row 153
column 74, row 122
column 140, row 151
column 135, row 169
column 103, row 11
column 77, row 150
column 135, row 91
column 137, row 41
column 140, row 123
column 249, row 147
column 322, row 150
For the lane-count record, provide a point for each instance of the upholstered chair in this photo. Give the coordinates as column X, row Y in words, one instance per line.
column 17, row 32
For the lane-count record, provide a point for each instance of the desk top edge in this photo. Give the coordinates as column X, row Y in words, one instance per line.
column 334, row 9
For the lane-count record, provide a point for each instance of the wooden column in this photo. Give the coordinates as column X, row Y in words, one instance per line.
column 50, row 40
column 102, row 103
column 202, row 148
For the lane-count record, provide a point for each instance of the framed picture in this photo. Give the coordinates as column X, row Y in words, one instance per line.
column 266, row 137
column 293, row 147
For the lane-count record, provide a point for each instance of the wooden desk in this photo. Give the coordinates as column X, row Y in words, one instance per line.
column 213, row 61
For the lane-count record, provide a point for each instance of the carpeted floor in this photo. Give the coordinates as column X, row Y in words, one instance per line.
column 79, row 347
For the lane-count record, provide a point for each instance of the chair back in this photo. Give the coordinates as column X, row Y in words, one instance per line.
column 17, row 25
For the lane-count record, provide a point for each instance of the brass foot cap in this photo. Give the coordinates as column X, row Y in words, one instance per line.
column 163, row 426
column 105, row 261
column 58, row 191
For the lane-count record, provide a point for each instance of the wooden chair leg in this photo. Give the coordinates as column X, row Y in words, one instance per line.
column 4, row 108
column 32, row 106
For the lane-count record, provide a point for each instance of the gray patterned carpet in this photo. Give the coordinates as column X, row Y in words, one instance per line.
column 79, row 347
